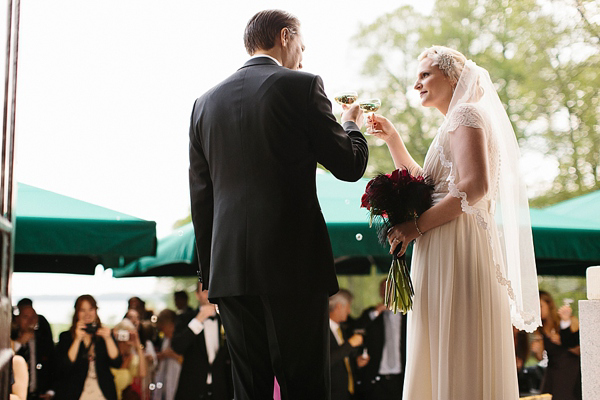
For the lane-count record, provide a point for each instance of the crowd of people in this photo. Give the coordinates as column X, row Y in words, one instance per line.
column 175, row 354
column 182, row 353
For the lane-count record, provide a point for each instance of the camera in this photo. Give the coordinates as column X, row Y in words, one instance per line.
column 122, row 335
column 91, row 328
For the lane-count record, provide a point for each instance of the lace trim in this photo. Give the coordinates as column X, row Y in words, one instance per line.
column 527, row 318
column 465, row 114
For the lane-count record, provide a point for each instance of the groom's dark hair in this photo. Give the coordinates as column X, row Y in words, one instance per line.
column 264, row 27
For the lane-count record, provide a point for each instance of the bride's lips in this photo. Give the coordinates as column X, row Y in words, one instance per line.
column 422, row 93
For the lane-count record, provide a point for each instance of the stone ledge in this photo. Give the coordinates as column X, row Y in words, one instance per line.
column 589, row 326
column 592, row 278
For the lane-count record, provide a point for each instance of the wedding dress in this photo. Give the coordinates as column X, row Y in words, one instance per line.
column 459, row 340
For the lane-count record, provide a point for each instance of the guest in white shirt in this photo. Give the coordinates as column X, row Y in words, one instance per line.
column 206, row 369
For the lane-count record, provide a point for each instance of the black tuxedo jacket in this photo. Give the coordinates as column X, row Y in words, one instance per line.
column 374, row 342
column 255, row 141
column 45, row 357
column 72, row 375
column 339, row 373
column 195, row 367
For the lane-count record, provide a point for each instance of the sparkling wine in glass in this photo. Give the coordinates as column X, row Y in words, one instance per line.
column 370, row 106
column 346, row 98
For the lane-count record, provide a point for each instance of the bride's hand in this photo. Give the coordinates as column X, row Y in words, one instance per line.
column 380, row 123
column 403, row 233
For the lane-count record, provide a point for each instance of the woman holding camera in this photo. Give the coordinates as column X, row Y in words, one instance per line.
column 85, row 354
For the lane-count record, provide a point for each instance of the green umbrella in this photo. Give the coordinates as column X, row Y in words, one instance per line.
column 586, row 207
column 56, row 233
column 355, row 245
column 567, row 236
column 563, row 245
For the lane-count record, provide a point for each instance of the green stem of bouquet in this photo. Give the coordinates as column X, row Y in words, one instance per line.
column 399, row 290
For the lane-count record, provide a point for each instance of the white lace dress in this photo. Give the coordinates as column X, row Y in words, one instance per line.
column 459, row 341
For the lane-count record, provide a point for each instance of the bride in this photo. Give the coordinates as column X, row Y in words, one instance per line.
column 473, row 266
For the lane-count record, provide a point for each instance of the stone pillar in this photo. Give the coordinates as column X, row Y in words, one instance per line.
column 589, row 326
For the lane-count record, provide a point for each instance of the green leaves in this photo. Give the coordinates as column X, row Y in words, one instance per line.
column 544, row 60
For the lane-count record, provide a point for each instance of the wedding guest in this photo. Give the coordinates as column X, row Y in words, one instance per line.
column 42, row 322
column 385, row 332
column 181, row 302
column 184, row 311
column 18, row 379
column 473, row 268
column 169, row 364
column 145, row 333
column 206, row 369
column 33, row 341
column 132, row 371
column 560, row 332
column 140, row 306
column 521, row 340
column 255, row 141
column 85, row 354
column 344, row 348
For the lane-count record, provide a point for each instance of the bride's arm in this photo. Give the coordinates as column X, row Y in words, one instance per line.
column 468, row 146
column 390, row 135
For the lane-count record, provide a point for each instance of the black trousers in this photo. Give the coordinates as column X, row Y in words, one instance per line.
column 286, row 336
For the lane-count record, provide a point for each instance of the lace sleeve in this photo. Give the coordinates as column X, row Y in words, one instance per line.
column 466, row 114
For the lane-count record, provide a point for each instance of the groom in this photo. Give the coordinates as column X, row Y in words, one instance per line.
column 263, row 247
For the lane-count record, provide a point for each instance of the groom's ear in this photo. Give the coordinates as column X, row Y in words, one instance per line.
column 284, row 36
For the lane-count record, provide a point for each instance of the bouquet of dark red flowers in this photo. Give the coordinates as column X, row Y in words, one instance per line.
column 393, row 199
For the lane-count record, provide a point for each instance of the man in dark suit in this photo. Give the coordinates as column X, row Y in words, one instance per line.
column 345, row 358
column 385, row 341
column 33, row 341
column 264, row 252
column 206, row 369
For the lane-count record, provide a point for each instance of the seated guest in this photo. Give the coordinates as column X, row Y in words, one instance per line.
column 33, row 341
column 206, row 369
column 85, row 353
column 343, row 349
column 169, row 364
column 383, row 377
column 133, row 370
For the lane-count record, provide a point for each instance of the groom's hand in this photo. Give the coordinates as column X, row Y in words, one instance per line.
column 352, row 113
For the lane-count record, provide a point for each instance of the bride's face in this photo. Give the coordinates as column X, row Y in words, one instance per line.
column 433, row 86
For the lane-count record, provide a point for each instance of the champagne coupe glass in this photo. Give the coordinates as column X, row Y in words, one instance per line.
column 370, row 106
column 567, row 302
column 347, row 98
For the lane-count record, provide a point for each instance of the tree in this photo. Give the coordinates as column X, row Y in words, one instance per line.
column 542, row 57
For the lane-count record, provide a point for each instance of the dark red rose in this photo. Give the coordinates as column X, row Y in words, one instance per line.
column 364, row 201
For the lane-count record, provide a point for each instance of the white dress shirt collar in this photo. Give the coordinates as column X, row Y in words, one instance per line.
column 268, row 56
column 334, row 326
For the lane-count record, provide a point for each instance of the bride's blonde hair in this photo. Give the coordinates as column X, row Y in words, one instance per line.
column 449, row 61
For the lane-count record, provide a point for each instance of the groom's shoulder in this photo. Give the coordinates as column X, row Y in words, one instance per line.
column 292, row 77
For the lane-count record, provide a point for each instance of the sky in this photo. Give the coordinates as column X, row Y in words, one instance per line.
column 106, row 89
column 105, row 92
